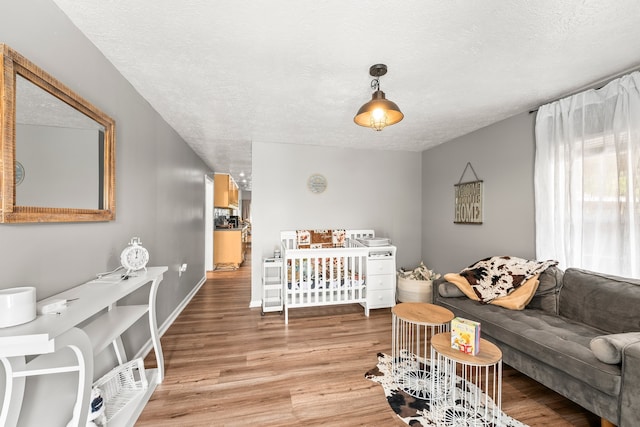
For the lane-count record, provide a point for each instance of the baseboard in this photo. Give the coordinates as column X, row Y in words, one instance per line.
column 148, row 346
column 255, row 304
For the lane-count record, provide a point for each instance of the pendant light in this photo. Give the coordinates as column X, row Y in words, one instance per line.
column 379, row 112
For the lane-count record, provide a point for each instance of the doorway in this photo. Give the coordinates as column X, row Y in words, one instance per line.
column 208, row 223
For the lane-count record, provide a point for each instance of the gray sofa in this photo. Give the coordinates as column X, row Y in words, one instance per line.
column 576, row 319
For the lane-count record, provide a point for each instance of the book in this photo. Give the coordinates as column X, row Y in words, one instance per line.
column 465, row 335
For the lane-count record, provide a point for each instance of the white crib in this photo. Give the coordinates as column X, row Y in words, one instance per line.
column 324, row 276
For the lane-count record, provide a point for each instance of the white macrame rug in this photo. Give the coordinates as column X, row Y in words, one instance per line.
column 417, row 412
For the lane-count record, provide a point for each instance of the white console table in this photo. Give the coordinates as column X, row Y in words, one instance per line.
column 72, row 331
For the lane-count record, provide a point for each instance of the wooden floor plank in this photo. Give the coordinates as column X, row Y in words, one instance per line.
column 227, row 365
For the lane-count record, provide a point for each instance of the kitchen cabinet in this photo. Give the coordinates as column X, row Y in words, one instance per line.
column 228, row 247
column 225, row 191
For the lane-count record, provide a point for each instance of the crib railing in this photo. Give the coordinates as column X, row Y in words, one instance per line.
column 323, row 276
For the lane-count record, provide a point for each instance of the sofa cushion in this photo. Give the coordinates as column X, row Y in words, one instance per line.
column 609, row 348
column 606, row 302
column 551, row 339
column 546, row 297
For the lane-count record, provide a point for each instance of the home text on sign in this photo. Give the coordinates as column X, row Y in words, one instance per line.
column 468, row 201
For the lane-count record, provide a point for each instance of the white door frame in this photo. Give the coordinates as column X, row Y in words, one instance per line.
column 208, row 223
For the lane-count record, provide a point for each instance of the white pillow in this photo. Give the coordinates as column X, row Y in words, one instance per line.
column 609, row 348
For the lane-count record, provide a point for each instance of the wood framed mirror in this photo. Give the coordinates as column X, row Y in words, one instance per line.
column 57, row 150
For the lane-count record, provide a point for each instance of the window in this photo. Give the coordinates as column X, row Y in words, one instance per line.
column 587, row 179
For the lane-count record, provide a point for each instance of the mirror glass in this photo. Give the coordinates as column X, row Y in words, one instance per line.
column 60, row 151
column 57, row 150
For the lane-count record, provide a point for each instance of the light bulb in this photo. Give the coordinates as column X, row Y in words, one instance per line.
column 378, row 119
column 378, row 114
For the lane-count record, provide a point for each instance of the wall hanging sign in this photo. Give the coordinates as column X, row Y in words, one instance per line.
column 468, row 199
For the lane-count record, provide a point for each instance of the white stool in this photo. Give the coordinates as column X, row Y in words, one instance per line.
column 478, row 401
column 414, row 324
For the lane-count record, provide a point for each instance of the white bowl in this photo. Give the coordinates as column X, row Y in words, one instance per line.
column 17, row 306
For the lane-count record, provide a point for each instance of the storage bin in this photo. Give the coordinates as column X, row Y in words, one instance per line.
column 414, row 290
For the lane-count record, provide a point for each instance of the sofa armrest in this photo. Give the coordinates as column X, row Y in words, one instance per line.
column 629, row 402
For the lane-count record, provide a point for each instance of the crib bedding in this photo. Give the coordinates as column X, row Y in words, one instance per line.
column 314, row 239
column 324, row 284
column 325, row 273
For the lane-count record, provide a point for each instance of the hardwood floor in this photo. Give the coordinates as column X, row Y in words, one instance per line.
column 226, row 365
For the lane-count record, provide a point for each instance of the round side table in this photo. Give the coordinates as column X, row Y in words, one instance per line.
column 467, row 389
column 414, row 324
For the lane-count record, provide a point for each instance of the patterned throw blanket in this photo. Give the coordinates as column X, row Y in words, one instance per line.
column 497, row 277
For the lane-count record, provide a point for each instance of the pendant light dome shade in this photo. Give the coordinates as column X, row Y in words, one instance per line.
column 379, row 112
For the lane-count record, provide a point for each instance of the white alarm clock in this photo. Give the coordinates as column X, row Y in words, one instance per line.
column 134, row 257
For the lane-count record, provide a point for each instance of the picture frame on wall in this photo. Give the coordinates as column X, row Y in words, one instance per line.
column 468, row 200
column 468, row 203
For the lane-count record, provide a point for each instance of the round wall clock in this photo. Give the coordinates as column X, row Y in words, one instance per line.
column 19, row 173
column 317, row 183
column 134, row 257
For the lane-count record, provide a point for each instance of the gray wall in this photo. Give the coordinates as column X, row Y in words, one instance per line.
column 367, row 189
column 159, row 179
column 502, row 155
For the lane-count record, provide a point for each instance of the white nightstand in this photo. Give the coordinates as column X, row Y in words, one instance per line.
column 381, row 277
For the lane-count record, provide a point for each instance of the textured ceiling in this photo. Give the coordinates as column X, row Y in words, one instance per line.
column 227, row 73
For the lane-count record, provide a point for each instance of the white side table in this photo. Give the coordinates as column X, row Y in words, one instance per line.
column 414, row 324
column 272, row 285
column 477, row 400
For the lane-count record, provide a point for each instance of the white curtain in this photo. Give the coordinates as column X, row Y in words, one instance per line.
column 587, row 179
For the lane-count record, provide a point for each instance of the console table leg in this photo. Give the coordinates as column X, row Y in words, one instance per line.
column 13, row 391
column 121, row 353
column 153, row 326
column 79, row 343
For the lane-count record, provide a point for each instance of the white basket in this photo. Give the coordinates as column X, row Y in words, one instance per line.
column 414, row 290
column 121, row 384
